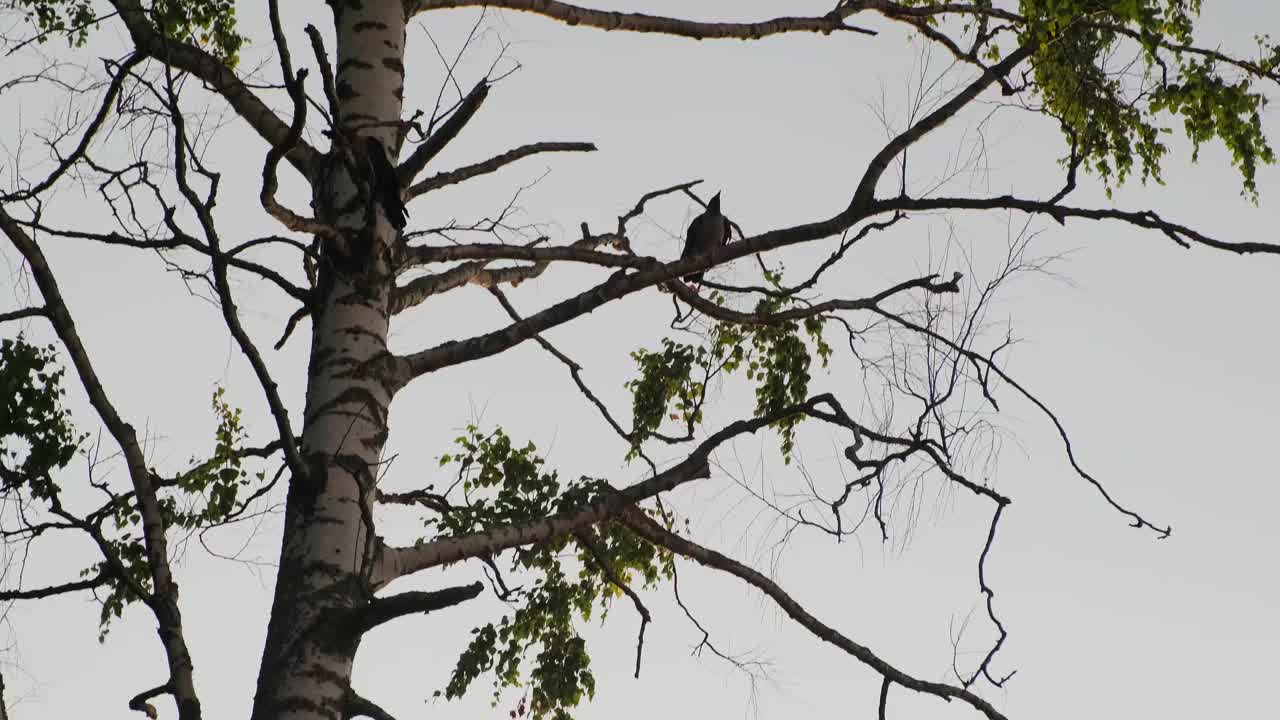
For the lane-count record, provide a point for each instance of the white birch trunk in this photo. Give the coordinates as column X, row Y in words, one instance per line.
column 326, row 552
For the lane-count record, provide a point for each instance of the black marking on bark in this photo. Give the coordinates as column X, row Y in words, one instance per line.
column 377, row 440
column 321, row 355
column 393, row 63
column 339, row 363
column 359, row 331
column 336, row 369
column 373, row 410
column 398, row 92
column 315, row 482
column 324, row 675
column 357, row 468
column 353, row 62
column 346, row 92
column 369, row 25
column 336, row 573
column 321, row 519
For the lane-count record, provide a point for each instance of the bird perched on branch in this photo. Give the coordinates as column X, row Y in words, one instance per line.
column 386, row 183
column 708, row 231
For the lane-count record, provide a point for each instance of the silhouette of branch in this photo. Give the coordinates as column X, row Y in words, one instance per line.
column 1150, row 220
column 383, row 610
column 162, row 600
column 326, row 71
column 139, row 702
column 640, row 22
column 221, row 282
column 444, row 134
column 23, row 313
column 493, row 164
column 645, row 526
column 118, row 78
column 44, row 592
column 189, row 58
column 865, row 194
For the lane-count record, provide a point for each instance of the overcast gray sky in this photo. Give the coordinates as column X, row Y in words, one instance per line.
column 1161, row 362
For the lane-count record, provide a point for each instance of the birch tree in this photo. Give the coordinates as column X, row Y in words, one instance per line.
column 1111, row 79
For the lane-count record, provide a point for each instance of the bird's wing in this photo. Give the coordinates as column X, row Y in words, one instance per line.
column 693, row 238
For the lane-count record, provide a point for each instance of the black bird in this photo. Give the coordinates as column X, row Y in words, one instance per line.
column 708, row 231
column 386, row 183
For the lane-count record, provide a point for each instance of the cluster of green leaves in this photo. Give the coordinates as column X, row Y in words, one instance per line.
column 211, row 491
column 215, row 484
column 131, row 555
column 1118, row 128
column 665, row 375
column 211, row 24
column 504, row 484
column 1114, row 127
column 36, row 434
column 1230, row 111
column 72, row 18
column 775, row 356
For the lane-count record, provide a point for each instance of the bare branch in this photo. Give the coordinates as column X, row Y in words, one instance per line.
column 282, row 46
column 104, row 110
column 575, row 370
column 270, row 184
column 23, row 313
column 640, row 22
column 419, row 289
column 494, row 164
column 1180, row 234
column 865, row 194
column 884, row 698
column 222, row 283
column 444, row 134
column 929, row 283
column 50, row 591
column 644, row 526
column 383, row 610
column 178, row 240
column 424, row 254
column 984, row 667
column 165, row 603
column 220, row 79
column 1138, row 521
column 326, row 71
column 139, row 702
